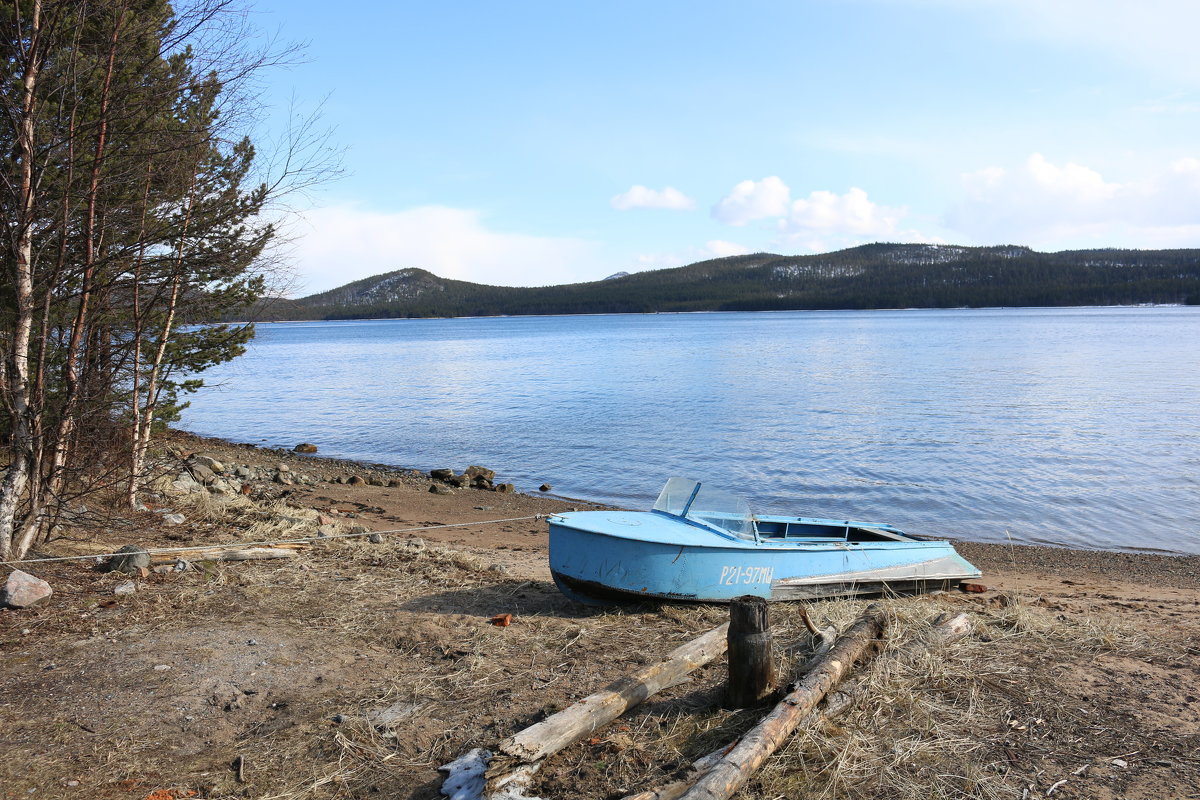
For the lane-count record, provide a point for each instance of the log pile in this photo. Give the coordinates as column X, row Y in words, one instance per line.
column 482, row 775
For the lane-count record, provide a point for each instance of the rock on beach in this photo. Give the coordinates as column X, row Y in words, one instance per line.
column 129, row 559
column 22, row 590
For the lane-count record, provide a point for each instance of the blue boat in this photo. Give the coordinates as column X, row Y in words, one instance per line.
column 702, row 544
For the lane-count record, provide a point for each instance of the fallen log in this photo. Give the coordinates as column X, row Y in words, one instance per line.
column 677, row 788
column 571, row 724
column 481, row 774
column 733, row 769
column 226, row 554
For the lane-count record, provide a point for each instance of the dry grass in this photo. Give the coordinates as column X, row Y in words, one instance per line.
column 408, row 619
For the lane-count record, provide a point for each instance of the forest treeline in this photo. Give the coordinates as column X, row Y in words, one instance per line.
column 136, row 208
column 870, row 276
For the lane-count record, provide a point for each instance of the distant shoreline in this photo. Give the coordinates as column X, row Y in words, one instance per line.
column 681, row 313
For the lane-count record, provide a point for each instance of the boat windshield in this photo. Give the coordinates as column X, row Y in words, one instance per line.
column 717, row 508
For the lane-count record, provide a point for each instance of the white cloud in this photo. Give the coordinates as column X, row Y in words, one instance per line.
column 714, row 248
column 750, row 200
column 719, row 248
column 851, row 213
column 335, row 245
column 1057, row 207
column 642, row 197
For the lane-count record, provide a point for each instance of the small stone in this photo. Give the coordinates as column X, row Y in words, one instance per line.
column 375, row 480
column 375, row 538
column 498, row 568
column 437, row 488
column 130, row 558
column 415, row 543
column 338, row 719
column 305, row 447
column 545, row 487
column 359, row 529
column 243, row 472
column 505, row 488
column 283, row 478
column 325, row 531
column 1120, row 762
column 355, row 480
column 22, row 590
column 161, row 667
column 181, row 566
column 174, row 519
column 283, row 468
column 392, row 484
column 125, row 589
column 163, row 569
column 252, row 642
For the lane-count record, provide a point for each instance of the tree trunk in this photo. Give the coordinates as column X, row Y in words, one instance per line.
column 17, row 358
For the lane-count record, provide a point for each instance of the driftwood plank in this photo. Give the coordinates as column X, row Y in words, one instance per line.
column 226, row 554
column 731, row 771
column 571, row 724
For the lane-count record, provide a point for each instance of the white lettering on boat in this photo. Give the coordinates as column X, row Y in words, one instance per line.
column 731, row 576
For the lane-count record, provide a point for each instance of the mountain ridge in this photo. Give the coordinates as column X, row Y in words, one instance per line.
column 877, row 275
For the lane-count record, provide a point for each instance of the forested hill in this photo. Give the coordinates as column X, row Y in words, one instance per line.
column 870, row 276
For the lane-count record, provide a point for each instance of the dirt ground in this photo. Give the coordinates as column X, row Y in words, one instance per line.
column 355, row 669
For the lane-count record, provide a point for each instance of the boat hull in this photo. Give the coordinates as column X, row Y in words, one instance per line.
column 601, row 567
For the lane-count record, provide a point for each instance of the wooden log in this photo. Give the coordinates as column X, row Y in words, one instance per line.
column 677, row 788
column 732, row 771
column 595, row 711
column 225, row 554
column 751, row 655
column 945, row 630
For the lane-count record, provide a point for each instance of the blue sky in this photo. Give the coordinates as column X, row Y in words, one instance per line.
column 532, row 143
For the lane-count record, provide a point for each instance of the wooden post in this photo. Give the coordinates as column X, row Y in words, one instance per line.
column 751, row 657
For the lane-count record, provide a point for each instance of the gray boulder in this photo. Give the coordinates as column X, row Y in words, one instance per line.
column 208, row 462
column 125, row 589
column 170, row 519
column 441, row 474
column 22, row 590
column 130, row 558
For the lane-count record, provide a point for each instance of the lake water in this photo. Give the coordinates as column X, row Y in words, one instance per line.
column 1076, row 427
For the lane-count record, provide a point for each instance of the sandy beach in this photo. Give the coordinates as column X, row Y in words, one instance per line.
column 357, row 666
